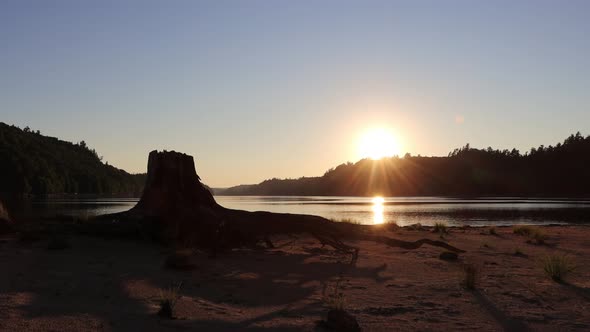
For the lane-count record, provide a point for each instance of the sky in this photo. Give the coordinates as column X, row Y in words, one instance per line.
column 264, row 89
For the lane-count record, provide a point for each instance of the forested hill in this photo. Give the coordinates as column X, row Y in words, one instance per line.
column 34, row 164
column 561, row 170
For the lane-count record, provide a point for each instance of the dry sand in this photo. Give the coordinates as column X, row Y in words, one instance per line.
column 114, row 285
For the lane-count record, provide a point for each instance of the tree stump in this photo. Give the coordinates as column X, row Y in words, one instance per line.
column 177, row 207
column 173, row 187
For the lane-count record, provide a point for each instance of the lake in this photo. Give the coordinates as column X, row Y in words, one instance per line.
column 366, row 210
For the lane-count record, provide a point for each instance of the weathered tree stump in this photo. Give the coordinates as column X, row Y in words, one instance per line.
column 176, row 206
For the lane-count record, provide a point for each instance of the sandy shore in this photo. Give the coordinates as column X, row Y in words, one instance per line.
column 114, row 285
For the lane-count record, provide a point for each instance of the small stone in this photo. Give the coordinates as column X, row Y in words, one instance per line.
column 448, row 256
column 340, row 320
column 179, row 261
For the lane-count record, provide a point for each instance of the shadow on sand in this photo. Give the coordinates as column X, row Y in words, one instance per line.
column 116, row 283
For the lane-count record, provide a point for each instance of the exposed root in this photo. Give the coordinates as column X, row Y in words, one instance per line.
column 338, row 245
column 412, row 245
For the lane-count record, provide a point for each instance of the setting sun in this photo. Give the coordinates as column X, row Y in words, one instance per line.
column 378, row 143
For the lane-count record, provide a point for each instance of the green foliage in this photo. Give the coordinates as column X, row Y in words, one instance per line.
column 33, row 164
column 557, row 267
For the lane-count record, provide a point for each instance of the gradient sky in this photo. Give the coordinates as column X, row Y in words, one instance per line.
column 262, row 89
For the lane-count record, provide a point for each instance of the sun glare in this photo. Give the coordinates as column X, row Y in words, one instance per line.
column 378, row 143
column 378, row 210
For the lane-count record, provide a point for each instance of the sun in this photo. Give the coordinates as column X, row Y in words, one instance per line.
column 378, row 143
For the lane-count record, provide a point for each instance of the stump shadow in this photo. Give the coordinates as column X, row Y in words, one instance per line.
column 93, row 279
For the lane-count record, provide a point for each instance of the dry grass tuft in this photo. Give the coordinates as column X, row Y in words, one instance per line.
column 533, row 233
column 523, row 230
column 539, row 236
column 347, row 221
column 391, row 225
column 168, row 299
column 557, row 267
column 333, row 297
column 440, row 227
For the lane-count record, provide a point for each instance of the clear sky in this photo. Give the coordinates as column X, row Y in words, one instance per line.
column 262, row 89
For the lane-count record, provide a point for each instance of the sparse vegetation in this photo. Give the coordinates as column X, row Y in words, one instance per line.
column 347, row 220
column 522, row 230
column 518, row 252
column 415, row 227
column 493, row 231
column 470, row 275
column 391, row 225
column 333, row 297
column 168, row 299
column 557, row 267
column 533, row 233
column 441, row 228
column 539, row 236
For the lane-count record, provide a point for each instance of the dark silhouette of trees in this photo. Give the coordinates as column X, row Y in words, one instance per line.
column 33, row 164
column 560, row 170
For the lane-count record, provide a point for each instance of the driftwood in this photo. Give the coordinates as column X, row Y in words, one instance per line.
column 177, row 207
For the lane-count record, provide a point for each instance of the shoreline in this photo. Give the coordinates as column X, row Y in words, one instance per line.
column 114, row 285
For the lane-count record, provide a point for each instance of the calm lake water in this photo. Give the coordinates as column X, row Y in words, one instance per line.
column 366, row 210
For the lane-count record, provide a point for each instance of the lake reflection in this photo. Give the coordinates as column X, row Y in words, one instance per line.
column 366, row 210
column 378, row 210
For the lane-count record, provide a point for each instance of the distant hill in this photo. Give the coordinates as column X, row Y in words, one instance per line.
column 560, row 170
column 34, row 164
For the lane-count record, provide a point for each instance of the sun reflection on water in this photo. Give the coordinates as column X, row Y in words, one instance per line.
column 378, row 210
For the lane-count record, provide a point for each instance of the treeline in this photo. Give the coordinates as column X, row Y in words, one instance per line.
column 560, row 170
column 34, row 164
